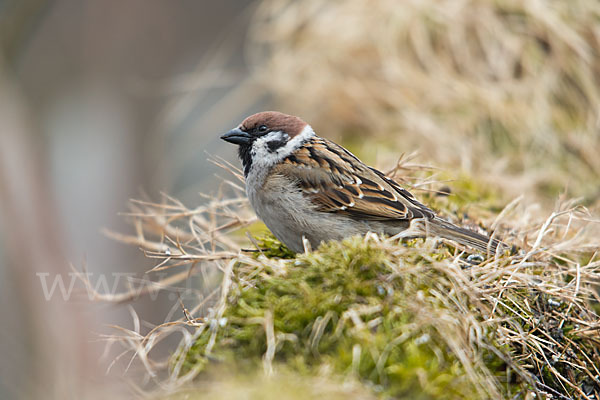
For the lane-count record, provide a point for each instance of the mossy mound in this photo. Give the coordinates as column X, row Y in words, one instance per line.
column 416, row 319
column 409, row 321
column 223, row 385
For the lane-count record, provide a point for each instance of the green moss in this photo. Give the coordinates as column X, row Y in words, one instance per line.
column 390, row 315
column 269, row 246
column 227, row 384
column 467, row 197
column 346, row 307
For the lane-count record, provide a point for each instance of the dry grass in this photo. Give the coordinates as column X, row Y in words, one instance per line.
column 515, row 324
column 503, row 92
column 506, row 90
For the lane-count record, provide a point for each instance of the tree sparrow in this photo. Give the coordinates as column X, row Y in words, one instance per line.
column 302, row 185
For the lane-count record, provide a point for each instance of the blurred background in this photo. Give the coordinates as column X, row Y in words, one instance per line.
column 103, row 101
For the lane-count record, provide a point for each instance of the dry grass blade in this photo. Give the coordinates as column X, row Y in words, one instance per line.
column 509, row 90
column 531, row 311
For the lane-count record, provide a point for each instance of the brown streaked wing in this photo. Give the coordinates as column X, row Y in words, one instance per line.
column 425, row 212
column 336, row 181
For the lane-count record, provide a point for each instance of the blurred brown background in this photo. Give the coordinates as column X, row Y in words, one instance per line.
column 103, row 101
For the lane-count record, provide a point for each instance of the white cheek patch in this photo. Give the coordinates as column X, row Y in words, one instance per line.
column 263, row 156
column 261, row 149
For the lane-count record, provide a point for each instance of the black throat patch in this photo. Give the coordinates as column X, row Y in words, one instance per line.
column 244, row 155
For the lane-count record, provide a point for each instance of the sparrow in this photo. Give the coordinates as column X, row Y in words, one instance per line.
column 304, row 186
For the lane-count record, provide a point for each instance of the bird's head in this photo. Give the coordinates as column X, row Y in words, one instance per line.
column 268, row 137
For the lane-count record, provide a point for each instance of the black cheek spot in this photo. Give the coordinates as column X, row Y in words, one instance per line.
column 273, row 145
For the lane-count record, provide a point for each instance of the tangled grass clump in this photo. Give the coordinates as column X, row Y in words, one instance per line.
column 412, row 319
column 349, row 307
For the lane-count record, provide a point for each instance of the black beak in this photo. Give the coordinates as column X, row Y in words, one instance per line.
column 237, row 136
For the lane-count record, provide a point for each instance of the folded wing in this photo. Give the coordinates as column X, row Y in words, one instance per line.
column 338, row 182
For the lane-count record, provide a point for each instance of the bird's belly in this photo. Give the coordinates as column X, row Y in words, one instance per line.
column 290, row 216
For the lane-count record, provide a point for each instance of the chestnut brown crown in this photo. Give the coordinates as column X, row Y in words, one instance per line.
column 274, row 121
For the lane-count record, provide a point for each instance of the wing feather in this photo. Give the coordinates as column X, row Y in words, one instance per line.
column 338, row 182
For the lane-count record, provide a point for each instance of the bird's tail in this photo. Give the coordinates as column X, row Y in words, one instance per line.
column 466, row 237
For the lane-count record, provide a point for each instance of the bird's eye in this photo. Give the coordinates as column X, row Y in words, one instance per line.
column 262, row 128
